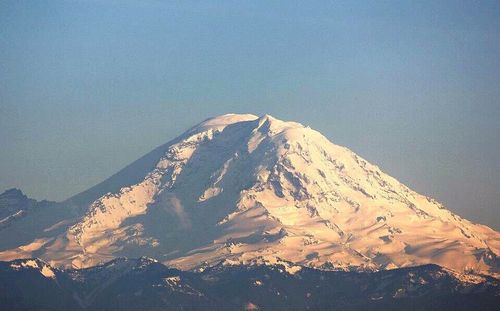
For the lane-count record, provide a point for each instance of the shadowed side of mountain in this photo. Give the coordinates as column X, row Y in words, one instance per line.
column 131, row 174
column 137, row 170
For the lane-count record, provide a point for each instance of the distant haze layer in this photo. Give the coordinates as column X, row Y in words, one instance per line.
column 86, row 87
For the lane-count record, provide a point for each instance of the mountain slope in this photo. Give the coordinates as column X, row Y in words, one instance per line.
column 144, row 284
column 247, row 189
column 14, row 205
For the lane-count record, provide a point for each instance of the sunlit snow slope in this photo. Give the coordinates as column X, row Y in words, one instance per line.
column 246, row 189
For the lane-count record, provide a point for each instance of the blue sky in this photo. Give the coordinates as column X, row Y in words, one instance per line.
column 86, row 87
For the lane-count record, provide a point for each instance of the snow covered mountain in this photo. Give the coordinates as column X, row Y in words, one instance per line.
column 246, row 189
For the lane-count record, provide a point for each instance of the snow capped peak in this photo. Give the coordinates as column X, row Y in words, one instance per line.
column 268, row 119
column 265, row 121
column 274, row 126
column 220, row 122
column 244, row 189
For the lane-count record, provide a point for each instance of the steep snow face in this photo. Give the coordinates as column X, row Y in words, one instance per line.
column 247, row 189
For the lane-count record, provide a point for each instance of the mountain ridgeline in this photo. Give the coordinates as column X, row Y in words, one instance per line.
column 248, row 190
column 145, row 284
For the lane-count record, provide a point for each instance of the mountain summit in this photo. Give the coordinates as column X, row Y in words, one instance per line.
column 245, row 189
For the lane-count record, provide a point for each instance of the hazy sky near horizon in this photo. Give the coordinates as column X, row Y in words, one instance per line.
column 86, row 87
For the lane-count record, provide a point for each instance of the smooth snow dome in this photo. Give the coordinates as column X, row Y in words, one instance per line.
column 248, row 189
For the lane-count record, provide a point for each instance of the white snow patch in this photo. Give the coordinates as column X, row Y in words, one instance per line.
column 30, row 264
column 172, row 280
column 44, row 269
column 47, row 272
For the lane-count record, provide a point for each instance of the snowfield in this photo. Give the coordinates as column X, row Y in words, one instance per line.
column 244, row 189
